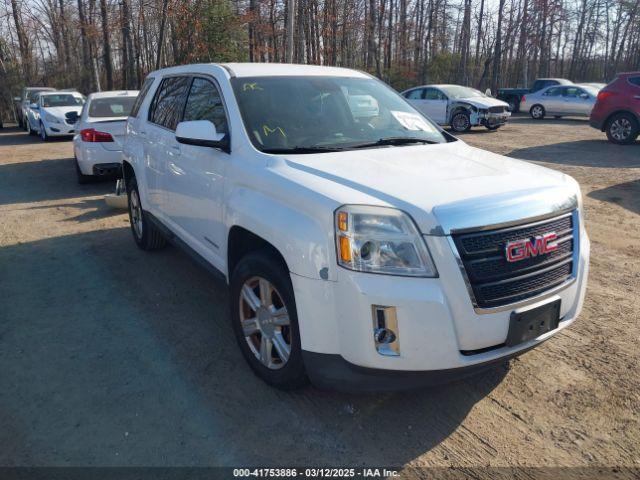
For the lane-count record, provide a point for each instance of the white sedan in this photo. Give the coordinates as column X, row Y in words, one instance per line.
column 459, row 107
column 54, row 114
column 98, row 144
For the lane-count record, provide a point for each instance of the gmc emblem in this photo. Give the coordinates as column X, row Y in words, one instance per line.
column 526, row 248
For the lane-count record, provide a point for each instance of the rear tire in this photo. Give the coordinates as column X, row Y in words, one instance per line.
column 622, row 129
column 43, row 133
column 82, row 178
column 147, row 236
column 494, row 128
column 265, row 321
column 537, row 112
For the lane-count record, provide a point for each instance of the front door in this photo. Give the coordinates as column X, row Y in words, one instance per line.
column 194, row 182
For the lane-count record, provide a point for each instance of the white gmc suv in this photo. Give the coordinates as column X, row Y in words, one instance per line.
column 365, row 248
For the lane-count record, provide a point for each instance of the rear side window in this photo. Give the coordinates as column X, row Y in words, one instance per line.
column 205, row 103
column 140, row 98
column 415, row 94
column 635, row 81
column 554, row 92
column 167, row 105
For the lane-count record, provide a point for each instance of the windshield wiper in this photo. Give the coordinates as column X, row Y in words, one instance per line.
column 311, row 149
column 392, row 141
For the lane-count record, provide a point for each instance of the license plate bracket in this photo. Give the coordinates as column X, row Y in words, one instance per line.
column 530, row 324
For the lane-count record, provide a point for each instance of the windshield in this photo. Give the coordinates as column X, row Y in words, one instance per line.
column 111, row 107
column 327, row 113
column 61, row 100
column 454, row 92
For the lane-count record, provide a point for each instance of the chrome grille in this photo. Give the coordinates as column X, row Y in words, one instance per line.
column 496, row 109
column 495, row 282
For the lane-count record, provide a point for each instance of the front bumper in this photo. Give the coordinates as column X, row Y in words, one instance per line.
column 493, row 120
column 440, row 334
column 60, row 129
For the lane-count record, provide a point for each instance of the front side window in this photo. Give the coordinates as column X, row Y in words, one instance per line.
column 434, row 94
column 338, row 113
column 205, row 103
column 61, row 100
column 140, row 98
column 166, row 108
column 635, row 81
column 111, row 107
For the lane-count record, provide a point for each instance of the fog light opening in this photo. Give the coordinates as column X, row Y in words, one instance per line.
column 385, row 330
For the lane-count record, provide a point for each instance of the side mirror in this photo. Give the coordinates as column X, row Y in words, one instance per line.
column 584, row 95
column 202, row 133
column 487, row 92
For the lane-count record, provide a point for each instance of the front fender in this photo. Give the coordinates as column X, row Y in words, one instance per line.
column 305, row 242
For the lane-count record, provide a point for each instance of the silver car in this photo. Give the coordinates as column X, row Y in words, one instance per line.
column 560, row 101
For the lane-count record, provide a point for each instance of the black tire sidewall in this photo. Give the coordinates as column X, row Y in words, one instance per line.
column 634, row 131
column 541, row 116
column 264, row 264
column 468, row 127
column 133, row 185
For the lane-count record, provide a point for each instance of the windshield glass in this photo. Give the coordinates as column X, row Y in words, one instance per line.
column 33, row 94
column 309, row 112
column 111, row 107
column 61, row 100
column 455, row 92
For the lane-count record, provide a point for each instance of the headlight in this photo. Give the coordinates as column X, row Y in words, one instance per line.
column 50, row 118
column 381, row 240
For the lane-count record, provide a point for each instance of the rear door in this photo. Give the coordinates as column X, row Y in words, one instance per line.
column 552, row 100
column 194, row 181
column 416, row 99
column 436, row 103
column 161, row 146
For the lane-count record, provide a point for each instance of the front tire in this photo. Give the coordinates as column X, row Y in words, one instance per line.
column 493, row 128
column 537, row 112
column 265, row 321
column 622, row 129
column 43, row 133
column 147, row 236
column 460, row 122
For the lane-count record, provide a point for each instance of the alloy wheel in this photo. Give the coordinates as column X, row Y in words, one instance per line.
column 265, row 322
column 621, row 129
column 460, row 122
column 136, row 213
column 536, row 111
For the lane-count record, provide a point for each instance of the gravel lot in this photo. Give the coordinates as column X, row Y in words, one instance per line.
column 112, row 356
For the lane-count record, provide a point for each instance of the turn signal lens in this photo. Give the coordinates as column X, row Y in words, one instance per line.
column 342, row 221
column 92, row 135
column 345, row 249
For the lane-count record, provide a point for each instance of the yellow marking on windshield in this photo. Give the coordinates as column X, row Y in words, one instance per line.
column 251, row 86
column 268, row 131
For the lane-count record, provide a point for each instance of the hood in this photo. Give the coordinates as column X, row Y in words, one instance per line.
column 483, row 102
column 61, row 111
column 443, row 187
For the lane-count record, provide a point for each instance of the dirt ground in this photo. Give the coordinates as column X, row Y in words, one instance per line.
column 112, row 356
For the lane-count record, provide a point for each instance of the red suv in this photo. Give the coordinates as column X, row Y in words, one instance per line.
column 617, row 109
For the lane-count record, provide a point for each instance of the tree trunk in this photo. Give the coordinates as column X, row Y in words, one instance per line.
column 106, row 38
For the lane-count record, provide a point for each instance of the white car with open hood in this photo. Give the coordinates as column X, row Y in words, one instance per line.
column 55, row 114
column 97, row 145
column 362, row 252
column 459, row 107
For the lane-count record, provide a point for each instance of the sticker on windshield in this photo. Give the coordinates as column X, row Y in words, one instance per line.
column 117, row 108
column 268, row 131
column 411, row 121
column 251, row 86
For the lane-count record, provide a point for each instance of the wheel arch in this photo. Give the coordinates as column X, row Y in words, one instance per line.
column 241, row 241
column 605, row 124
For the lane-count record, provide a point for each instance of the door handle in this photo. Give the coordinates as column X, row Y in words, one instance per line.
column 176, row 149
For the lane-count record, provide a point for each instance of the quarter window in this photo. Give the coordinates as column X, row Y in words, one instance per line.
column 140, row 98
column 205, row 103
column 167, row 105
